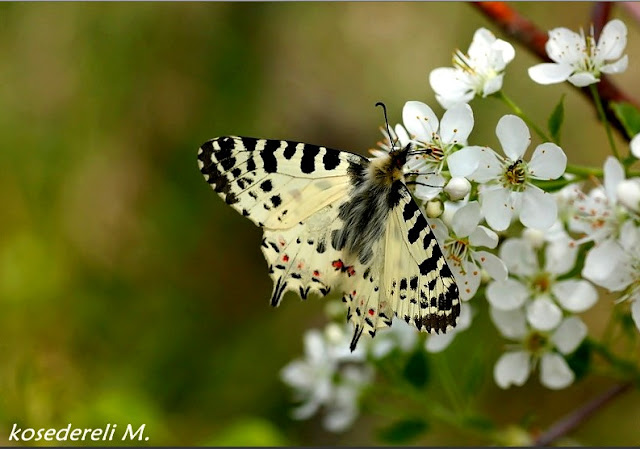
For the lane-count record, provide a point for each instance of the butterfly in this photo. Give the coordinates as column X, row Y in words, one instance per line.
column 336, row 220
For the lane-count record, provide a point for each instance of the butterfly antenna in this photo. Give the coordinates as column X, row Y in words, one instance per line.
column 386, row 121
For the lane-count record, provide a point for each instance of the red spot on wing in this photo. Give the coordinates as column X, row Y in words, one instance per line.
column 350, row 271
column 316, row 273
column 372, row 312
column 285, row 258
column 337, row 264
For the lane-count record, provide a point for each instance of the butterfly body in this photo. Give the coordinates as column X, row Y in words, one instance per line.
column 334, row 219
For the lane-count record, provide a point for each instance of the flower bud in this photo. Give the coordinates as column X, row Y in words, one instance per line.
column 457, row 188
column 434, row 208
column 628, row 192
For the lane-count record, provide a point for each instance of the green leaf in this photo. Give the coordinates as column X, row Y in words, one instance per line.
column 628, row 115
column 555, row 120
column 580, row 360
column 403, row 431
column 416, row 371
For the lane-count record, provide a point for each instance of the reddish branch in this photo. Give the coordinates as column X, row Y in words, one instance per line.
column 600, row 16
column 534, row 40
column 572, row 420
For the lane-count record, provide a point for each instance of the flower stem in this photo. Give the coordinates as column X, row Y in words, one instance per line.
column 603, row 118
column 516, row 109
column 583, row 171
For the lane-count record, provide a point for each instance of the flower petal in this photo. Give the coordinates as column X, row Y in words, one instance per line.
column 560, row 256
column 487, row 162
column 519, row 257
column 439, row 229
column 550, row 73
column 449, row 100
column 565, row 46
column 492, row 85
column 575, row 295
column 628, row 193
column 512, row 368
column 612, row 41
column 548, row 162
column 511, row 323
column 481, row 43
column 449, row 82
column 456, row 124
column 582, row 79
column 613, row 175
column 555, row 372
column 606, row 265
column 464, row 162
column 403, row 136
column 497, row 208
column 568, row 336
column 507, row 50
column 635, row 146
column 616, row 67
column 430, row 186
column 635, row 312
column 543, row 314
column 506, row 295
column 439, row 342
column 513, row 135
column 466, row 219
column 420, row 121
column 483, row 236
column 468, row 280
column 539, row 208
column 492, row 264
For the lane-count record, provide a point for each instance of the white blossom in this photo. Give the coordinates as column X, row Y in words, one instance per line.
column 506, row 182
column 578, row 59
column 460, row 246
column 321, row 379
column 433, row 141
column 615, row 265
column 480, row 72
column 598, row 214
column 535, row 346
column 537, row 288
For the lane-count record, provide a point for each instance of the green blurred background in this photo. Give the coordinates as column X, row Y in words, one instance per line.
column 129, row 292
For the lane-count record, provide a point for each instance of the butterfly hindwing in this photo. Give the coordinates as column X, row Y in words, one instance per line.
column 293, row 191
column 417, row 279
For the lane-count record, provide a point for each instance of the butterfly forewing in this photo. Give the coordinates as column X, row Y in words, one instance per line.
column 306, row 197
